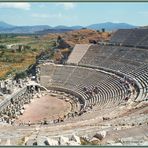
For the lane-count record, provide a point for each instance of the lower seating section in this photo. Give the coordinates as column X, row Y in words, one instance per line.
column 128, row 60
column 59, row 76
column 85, row 80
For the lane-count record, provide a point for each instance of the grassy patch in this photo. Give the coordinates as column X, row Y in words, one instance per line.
column 13, row 61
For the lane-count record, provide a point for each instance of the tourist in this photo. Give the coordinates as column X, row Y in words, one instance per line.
column 133, row 91
column 95, row 90
column 85, row 89
column 29, row 123
column 126, row 85
column 91, row 106
column 126, row 98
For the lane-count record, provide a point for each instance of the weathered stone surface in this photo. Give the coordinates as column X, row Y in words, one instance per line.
column 26, row 139
column 130, row 144
column 21, row 111
column 110, row 142
column 51, row 142
column 73, row 143
column 118, row 128
column 100, row 135
column 8, row 142
column 144, row 143
column 76, row 139
column 84, row 140
column 31, row 142
column 95, row 141
column 41, row 141
column 128, row 140
column 53, row 95
column 105, row 118
column 63, row 140
column 116, row 144
column 38, row 95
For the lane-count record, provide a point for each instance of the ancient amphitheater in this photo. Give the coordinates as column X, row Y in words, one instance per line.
column 105, row 86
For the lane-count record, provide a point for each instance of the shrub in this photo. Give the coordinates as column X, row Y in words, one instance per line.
column 21, row 75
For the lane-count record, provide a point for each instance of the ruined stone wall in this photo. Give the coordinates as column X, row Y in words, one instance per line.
column 13, row 105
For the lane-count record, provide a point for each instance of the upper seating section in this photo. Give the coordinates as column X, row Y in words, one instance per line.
column 131, row 37
column 120, row 36
column 144, row 42
column 128, row 60
column 124, row 59
column 136, row 37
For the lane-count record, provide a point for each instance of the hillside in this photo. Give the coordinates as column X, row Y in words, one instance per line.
column 57, row 30
column 13, row 60
column 24, row 29
column 109, row 26
column 83, row 36
column 144, row 27
column 4, row 25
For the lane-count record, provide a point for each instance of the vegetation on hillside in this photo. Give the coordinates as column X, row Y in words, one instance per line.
column 16, row 59
column 83, row 36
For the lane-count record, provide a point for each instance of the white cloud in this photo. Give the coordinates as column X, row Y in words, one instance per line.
column 67, row 5
column 16, row 5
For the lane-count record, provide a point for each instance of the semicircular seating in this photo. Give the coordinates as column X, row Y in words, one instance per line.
column 127, row 60
column 76, row 78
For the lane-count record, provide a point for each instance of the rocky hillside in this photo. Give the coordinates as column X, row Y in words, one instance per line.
column 82, row 36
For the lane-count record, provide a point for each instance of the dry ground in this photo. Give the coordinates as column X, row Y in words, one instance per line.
column 45, row 107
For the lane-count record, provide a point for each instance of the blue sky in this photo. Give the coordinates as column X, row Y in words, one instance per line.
column 69, row 14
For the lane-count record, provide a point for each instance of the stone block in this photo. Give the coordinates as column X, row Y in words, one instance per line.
column 31, row 142
column 73, row 143
column 8, row 142
column 100, row 135
column 51, row 142
column 41, row 141
column 63, row 140
column 76, row 139
column 95, row 141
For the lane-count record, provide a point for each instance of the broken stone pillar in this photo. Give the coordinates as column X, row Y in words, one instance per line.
column 21, row 83
column 37, row 79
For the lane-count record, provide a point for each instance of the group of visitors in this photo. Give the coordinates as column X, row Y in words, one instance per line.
column 91, row 91
column 126, row 82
